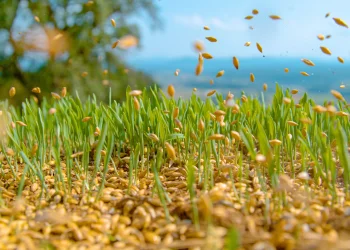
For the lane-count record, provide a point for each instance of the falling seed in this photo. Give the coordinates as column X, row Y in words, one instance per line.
column 304, row 73
column 211, row 39
column 294, row 91
column 22, row 124
column 114, row 24
column 308, row 62
column 206, row 28
column 211, row 81
column 259, row 47
column 247, row 44
column 265, row 86
column 176, row 73
column 235, row 62
column 12, row 92
column 341, row 60
column 115, row 44
column 198, row 46
column 55, row 96
column 337, row 95
column 210, row 93
column 320, row 37
column 327, row 15
column 170, row 150
column 207, row 56
column 86, row 119
column 249, row 17
column 342, row 86
column 84, row 74
column 171, row 90
column 194, row 89
column 252, row 77
column 36, row 90
column 340, row 22
column 326, row 50
column 135, row 92
column 64, row 92
column 220, row 73
column 216, row 137
column 275, row 17
column 37, row 19
column 199, row 69
column 255, row 12
column 286, row 70
column 328, row 36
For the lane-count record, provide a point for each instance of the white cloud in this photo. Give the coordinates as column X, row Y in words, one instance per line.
column 195, row 20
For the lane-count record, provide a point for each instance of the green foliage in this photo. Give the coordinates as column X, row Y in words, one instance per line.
column 31, row 55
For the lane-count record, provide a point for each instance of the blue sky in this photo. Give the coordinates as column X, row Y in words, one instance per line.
column 293, row 36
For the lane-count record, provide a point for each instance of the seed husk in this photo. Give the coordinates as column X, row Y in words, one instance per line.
column 325, row 50
column 37, row 19
column 327, row 15
column 211, row 39
column 220, row 73
column 235, row 62
column 207, row 56
column 328, row 36
column 171, row 90
column 12, row 92
column 135, row 92
column 340, row 22
column 252, row 77
column 342, row 86
column 259, row 47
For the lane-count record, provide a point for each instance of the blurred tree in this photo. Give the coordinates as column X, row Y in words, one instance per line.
column 55, row 43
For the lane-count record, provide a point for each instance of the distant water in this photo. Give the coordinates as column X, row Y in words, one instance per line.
column 327, row 74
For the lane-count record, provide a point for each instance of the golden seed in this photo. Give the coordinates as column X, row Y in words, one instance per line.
column 36, row 90
column 22, row 124
column 287, row 100
column 308, row 62
column 235, row 62
column 176, row 112
column 325, row 50
column 219, row 113
column 86, row 119
column 115, row 44
column 331, row 109
column 294, row 91
column 286, row 70
column 114, row 24
column 341, row 60
column 211, row 81
column 340, row 22
column 206, row 28
column 319, row 109
column 198, row 46
column 259, row 47
column 177, row 72
column 275, row 142
column 200, row 58
column 135, row 92
column 64, row 92
column 12, row 92
column 249, row 17
column 55, row 96
column 275, row 17
column 171, row 90
column 342, row 86
column 260, row 158
column 207, row 56
column 236, row 135
column 216, row 137
column 154, row 137
column 37, row 19
column 170, row 150
column 194, row 89
column 220, row 73
column 341, row 113
column 210, row 93
column 306, row 120
column 303, row 176
column 252, row 77
column 255, row 12
column 244, row 98
column 304, row 73
column 265, row 86
column 337, row 95
column 292, row 123
column 201, row 125
column 235, row 108
column 247, row 44
column 199, row 69
column 320, row 37
column 84, row 74
column 211, row 39
column 136, row 103
column 10, row 152
column 97, row 131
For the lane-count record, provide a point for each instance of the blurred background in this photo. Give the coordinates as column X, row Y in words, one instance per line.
column 72, row 43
